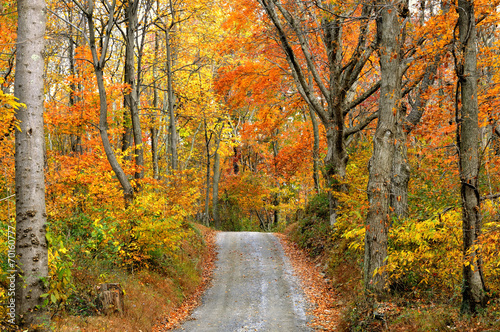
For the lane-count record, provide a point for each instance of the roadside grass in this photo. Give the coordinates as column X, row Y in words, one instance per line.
column 148, row 296
column 151, row 295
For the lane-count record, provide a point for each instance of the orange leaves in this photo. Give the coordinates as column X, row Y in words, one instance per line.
column 326, row 314
column 246, row 190
column 250, row 82
column 8, row 27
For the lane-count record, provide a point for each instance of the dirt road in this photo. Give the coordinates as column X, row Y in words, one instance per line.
column 253, row 289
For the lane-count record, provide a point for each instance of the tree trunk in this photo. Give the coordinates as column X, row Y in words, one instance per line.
column 127, row 137
column 103, row 130
column 400, row 170
column 400, row 175
column 154, row 151
column 276, row 200
column 171, row 102
column 335, row 165
column 132, row 97
column 401, row 166
column 315, row 151
column 215, row 190
column 474, row 290
column 31, row 219
column 380, row 166
column 405, row 124
column 103, row 103
column 156, row 104
column 75, row 140
column 206, row 216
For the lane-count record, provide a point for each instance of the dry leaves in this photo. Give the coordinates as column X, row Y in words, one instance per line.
column 318, row 290
column 326, row 314
column 174, row 319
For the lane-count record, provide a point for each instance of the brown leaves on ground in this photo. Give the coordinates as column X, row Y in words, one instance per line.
column 174, row 319
column 326, row 313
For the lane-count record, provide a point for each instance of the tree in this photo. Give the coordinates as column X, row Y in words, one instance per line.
column 168, row 28
column 380, row 165
column 31, row 244
column 328, row 76
column 316, row 179
column 132, row 97
column 215, row 187
column 416, row 91
column 465, row 53
column 99, row 62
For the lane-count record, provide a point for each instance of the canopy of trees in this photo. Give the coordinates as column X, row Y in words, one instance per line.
column 237, row 113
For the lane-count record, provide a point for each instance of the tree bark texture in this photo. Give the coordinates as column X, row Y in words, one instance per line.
column 473, row 288
column 336, row 166
column 31, row 218
column 276, row 198
column 400, row 170
column 315, row 151
column 380, row 166
column 156, row 103
column 208, row 138
column 127, row 137
column 401, row 166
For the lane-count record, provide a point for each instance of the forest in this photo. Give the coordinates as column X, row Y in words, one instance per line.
column 368, row 132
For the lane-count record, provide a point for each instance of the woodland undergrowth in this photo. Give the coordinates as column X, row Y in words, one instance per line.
column 424, row 288
column 149, row 248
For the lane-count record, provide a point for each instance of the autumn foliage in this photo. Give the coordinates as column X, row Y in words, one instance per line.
column 243, row 126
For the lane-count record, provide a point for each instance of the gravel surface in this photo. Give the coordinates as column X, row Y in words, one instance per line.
column 253, row 289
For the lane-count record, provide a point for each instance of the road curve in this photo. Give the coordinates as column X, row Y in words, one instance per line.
column 253, row 289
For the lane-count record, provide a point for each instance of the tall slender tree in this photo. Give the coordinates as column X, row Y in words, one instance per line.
column 315, row 151
column 132, row 97
column 31, row 244
column 416, row 96
column 474, row 289
column 99, row 62
column 168, row 23
column 380, row 166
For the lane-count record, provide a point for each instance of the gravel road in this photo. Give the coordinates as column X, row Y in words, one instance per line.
column 253, row 289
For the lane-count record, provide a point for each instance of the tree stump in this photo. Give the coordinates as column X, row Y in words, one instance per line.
column 110, row 298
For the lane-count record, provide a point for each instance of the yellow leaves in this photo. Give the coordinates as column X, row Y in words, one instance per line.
column 469, row 264
column 154, row 222
column 7, row 99
column 357, row 237
column 8, row 106
column 61, row 280
column 426, row 251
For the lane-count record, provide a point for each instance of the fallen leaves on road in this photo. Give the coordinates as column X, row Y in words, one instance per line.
column 178, row 316
column 325, row 314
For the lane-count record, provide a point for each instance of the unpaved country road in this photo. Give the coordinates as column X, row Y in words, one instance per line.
column 253, row 289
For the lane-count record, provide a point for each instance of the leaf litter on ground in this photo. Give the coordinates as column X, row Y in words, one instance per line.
column 174, row 319
column 325, row 312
